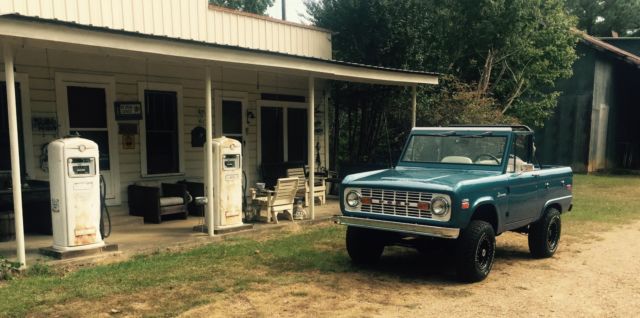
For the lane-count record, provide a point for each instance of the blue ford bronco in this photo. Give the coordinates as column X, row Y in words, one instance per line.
column 461, row 184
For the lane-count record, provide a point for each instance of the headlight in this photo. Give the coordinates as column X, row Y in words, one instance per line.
column 439, row 206
column 353, row 199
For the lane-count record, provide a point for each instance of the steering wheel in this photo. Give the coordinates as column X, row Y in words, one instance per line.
column 487, row 155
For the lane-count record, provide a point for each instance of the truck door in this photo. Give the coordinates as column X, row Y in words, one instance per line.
column 524, row 183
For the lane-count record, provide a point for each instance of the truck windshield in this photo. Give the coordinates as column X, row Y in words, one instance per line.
column 479, row 149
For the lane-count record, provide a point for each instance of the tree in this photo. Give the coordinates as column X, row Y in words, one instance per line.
column 603, row 17
column 500, row 57
column 252, row 6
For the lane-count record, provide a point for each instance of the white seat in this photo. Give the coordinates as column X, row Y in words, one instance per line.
column 456, row 159
column 169, row 201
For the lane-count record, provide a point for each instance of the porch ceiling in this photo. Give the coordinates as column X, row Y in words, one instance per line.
column 70, row 36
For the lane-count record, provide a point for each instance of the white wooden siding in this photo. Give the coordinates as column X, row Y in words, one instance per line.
column 41, row 65
column 183, row 19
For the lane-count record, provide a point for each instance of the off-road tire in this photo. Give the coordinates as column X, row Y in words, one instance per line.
column 475, row 251
column 544, row 234
column 364, row 246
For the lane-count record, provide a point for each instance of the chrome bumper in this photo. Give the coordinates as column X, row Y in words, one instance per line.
column 428, row 230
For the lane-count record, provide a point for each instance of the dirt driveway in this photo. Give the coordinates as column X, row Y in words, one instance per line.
column 598, row 278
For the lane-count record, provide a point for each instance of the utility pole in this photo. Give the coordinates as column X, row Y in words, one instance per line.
column 284, row 10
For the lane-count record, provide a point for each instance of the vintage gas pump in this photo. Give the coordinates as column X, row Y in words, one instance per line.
column 75, row 194
column 227, row 184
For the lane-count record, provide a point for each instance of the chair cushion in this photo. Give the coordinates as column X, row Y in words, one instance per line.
column 168, row 201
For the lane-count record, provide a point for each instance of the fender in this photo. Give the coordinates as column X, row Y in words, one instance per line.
column 484, row 200
column 564, row 201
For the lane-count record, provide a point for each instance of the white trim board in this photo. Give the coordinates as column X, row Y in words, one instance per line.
column 142, row 86
column 27, row 131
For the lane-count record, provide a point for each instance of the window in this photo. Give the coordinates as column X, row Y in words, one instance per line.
column 283, row 133
column 271, row 130
column 456, row 149
column 297, row 135
column 88, row 118
column 232, row 119
column 5, row 148
column 161, row 117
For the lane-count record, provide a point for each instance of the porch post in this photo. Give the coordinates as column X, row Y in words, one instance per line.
column 413, row 106
column 15, row 153
column 208, row 153
column 311, row 148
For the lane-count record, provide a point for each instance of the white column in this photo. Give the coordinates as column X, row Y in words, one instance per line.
column 311, row 146
column 413, row 106
column 15, row 153
column 208, row 153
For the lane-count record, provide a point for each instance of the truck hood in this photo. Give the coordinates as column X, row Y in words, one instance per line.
column 413, row 178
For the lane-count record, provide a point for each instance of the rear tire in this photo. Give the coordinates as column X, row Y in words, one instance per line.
column 364, row 246
column 544, row 234
column 476, row 250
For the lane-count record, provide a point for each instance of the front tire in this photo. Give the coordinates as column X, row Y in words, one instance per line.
column 544, row 234
column 476, row 251
column 364, row 246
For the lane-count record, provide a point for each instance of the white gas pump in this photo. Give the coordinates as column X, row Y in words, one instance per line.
column 227, row 183
column 75, row 194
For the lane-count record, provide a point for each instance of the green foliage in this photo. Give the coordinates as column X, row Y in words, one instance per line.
column 503, row 54
column 252, row 6
column 8, row 268
column 601, row 18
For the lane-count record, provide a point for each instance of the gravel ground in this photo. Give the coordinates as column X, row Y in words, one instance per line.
column 599, row 277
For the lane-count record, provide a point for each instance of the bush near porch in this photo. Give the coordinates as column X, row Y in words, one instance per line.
column 170, row 283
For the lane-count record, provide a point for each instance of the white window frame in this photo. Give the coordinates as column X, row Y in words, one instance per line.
column 142, row 86
column 219, row 96
column 27, row 132
column 109, row 84
column 285, row 118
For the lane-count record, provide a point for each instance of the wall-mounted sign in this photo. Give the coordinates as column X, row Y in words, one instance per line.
column 128, row 110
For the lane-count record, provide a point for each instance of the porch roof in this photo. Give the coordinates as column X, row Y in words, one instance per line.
column 25, row 30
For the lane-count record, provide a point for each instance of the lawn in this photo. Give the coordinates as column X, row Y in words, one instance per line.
column 179, row 281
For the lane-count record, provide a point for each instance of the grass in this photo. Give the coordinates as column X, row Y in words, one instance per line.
column 601, row 201
column 183, row 280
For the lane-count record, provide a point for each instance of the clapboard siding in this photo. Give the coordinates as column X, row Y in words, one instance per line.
column 42, row 65
column 183, row 19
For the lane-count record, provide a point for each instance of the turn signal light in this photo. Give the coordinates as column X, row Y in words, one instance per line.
column 423, row 206
column 365, row 200
column 569, row 187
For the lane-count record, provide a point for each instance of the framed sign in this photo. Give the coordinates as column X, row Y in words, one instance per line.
column 128, row 110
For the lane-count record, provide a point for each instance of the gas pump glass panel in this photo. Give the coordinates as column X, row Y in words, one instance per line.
column 81, row 167
column 456, row 149
column 231, row 162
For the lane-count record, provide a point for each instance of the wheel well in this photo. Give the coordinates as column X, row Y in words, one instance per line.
column 557, row 206
column 487, row 213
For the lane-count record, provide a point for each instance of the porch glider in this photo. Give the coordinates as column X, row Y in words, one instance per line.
column 29, row 30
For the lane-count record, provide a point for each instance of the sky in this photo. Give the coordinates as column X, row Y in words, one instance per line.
column 294, row 9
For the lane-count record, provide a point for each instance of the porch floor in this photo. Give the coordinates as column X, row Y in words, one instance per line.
column 134, row 237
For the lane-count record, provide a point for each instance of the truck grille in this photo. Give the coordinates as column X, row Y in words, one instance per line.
column 399, row 203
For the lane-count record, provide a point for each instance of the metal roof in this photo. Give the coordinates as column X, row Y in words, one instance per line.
column 201, row 43
column 606, row 47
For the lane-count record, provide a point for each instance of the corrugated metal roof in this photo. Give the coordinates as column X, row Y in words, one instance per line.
column 604, row 46
column 166, row 38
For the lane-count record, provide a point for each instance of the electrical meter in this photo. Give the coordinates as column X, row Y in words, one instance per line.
column 75, row 194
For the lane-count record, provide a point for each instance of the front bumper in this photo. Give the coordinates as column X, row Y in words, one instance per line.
column 407, row 228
